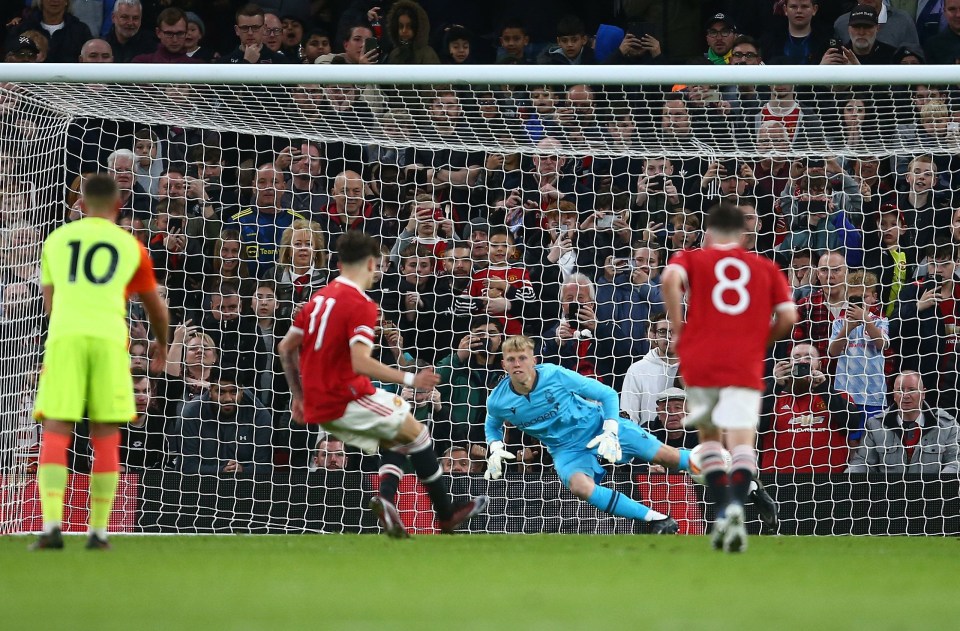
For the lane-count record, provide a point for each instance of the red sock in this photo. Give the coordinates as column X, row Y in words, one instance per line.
column 106, row 453
column 53, row 448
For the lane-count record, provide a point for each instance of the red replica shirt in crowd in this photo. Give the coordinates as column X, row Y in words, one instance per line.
column 803, row 439
column 731, row 296
column 515, row 276
column 337, row 316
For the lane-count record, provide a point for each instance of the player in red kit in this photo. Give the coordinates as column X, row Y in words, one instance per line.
column 330, row 345
column 731, row 294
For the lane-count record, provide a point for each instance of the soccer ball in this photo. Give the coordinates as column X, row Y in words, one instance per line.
column 695, row 463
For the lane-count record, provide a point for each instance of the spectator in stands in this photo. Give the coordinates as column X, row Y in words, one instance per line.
column 720, row 32
column 925, row 324
column 416, row 306
column 505, row 290
column 353, row 41
column 330, row 455
column 802, row 41
column 227, row 264
column 149, row 163
column 657, row 196
column 653, row 374
column 800, row 273
column 172, row 32
column 293, row 32
column 408, row 28
column 859, row 339
column 64, row 31
column 428, row 229
column 513, row 43
column 135, row 201
column 233, row 332
column 620, row 299
column 784, row 107
column 572, row 47
column 891, row 262
column 893, row 28
column 944, row 47
column 302, row 267
column 453, row 289
column 675, row 128
column 96, row 51
column 806, row 431
column 911, row 437
column 306, row 181
column 23, row 50
column 273, row 35
column 226, row 430
column 349, row 210
column 249, row 28
column 262, row 222
column 187, row 371
column 270, row 384
column 455, row 460
column 925, row 210
column 315, row 45
column 864, row 46
column 142, row 440
column 540, row 120
column 20, row 247
column 127, row 38
column 196, row 29
column 818, row 310
column 632, row 47
column 456, row 45
column 668, row 427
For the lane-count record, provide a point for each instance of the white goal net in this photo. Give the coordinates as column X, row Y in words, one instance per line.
column 507, row 200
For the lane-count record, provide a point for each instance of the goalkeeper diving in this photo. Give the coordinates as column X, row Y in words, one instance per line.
column 578, row 420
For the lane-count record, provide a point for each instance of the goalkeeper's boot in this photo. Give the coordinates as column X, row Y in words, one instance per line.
column 97, row 543
column 735, row 534
column 765, row 506
column 463, row 512
column 52, row 540
column 389, row 518
column 666, row 526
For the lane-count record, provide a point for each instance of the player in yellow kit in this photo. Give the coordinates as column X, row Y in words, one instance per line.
column 88, row 269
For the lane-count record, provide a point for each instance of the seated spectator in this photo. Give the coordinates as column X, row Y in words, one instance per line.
column 540, row 119
column 273, row 36
column 352, row 42
column 784, row 107
column 800, row 273
column 721, row 31
column 225, row 430
column 803, row 41
column 859, row 339
column 292, row 40
column 142, row 440
column 136, row 202
column 864, row 46
column 172, row 33
column 249, row 28
column 187, row 371
column 653, row 374
column 892, row 263
column 944, row 47
column 892, row 27
column 330, row 455
column 413, row 304
column 806, row 432
column 620, row 299
column 348, row 210
column 233, row 332
column 627, row 47
column 911, row 437
column 453, row 289
column 316, row 44
column 127, row 37
column 455, row 460
column 505, row 290
column 455, row 48
column 196, row 29
column 926, row 212
column 428, row 229
column 305, row 180
column 668, row 427
column 54, row 21
column 227, row 263
column 513, row 43
column 408, row 28
column 24, row 50
column 573, row 45
column 657, row 195
column 817, row 311
column 467, row 376
column 302, row 267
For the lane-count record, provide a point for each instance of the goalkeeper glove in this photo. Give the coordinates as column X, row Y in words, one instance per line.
column 496, row 454
column 607, row 443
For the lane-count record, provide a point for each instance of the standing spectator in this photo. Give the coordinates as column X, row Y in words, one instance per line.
column 721, row 31
column 863, row 45
column 135, row 201
column 408, row 28
column 249, row 28
column 668, row 427
column 127, row 37
column 807, row 431
column 227, row 262
column 891, row 262
column 226, row 430
column 187, row 371
column 172, row 33
column 64, row 31
column 96, row 51
column 802, row 41
column 620, row 299
column 142, row 440
column 270, row 384
column 653, row 374
column 944, row 48
column 817, row 311
column 925, row 210
column 572, row 47
column 506, row 290
column 896, row 28
column 349, row 210
column 307, row 183
column 912, row 437
column 233, row 332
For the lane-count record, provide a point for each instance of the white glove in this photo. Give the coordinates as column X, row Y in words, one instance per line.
column 607, row 443
column 496, row 454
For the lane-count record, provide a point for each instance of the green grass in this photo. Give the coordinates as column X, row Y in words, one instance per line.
column 480, row 582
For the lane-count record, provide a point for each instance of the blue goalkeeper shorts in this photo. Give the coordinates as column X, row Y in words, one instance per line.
column 635, row 442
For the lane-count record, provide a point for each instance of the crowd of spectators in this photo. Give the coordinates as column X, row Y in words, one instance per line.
column 547, row 239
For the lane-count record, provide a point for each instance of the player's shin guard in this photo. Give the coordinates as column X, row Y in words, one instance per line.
column 391, row 472
column 743, row 468
column 52, row 478
column 615, row 503
column 714, row 472
column 103, row 480
column 427, row 468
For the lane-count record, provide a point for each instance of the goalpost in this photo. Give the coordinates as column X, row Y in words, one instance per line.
column 598, row 173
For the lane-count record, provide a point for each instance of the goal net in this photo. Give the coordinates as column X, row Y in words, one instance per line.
column 543, row 201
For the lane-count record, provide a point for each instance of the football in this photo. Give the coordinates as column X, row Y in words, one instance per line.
column 695, row 463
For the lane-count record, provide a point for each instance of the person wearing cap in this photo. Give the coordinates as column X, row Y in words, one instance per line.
column 944, row 47
column 896, row 27
column 908, row 56
column 126, row 37
column 23, row 50
column 863, row 30
column 720, row 33
column 196, row 29
column 802, row 42
column 668, row 424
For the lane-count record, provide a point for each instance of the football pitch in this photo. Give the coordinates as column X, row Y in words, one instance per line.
column 480, row 582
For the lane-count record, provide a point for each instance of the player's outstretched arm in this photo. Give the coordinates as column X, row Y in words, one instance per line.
column 159, row 319
column 364, row 364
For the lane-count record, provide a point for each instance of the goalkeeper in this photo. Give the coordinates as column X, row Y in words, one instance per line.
column 566, row 412
column 88, row 268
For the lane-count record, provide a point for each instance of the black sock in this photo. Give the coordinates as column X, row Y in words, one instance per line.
column 740, row 480
column 391, row 470
column 428, row 470
column 719, row 488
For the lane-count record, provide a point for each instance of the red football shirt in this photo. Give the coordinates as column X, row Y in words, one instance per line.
column 515, row 276
column 336, row 317
column 731, row 296
column 803, row 439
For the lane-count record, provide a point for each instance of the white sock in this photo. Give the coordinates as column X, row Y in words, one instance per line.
column 653, row 515
column 100, row 532
column 754, row 486
column 48, row 526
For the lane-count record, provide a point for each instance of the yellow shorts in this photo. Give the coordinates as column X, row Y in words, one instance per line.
column 85, row 375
